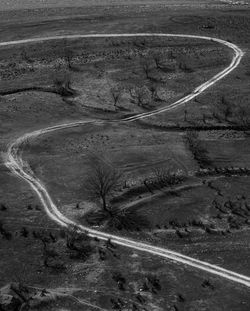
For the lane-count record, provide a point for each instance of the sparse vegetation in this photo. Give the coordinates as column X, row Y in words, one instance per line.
column 80, row 246
column 4, row 232
column 223, row 110
column 165, row 178
column 146, row 67
column 204, row 211
column 141, row 96
column 116, row 93
column 62, row 84
column 68, row 56
column 198, row 150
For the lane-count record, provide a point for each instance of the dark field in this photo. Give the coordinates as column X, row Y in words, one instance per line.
column 184, row 175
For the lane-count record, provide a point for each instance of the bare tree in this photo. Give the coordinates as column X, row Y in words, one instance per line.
column 198, row 150
column 140, row 96
column 192, row 139
column 154, row 89
column 242, row 116
column 68, row 58
column 136, row 96
column 62, row 84
column 116, row 93
column 204, row 118
column 102, row 180
column 146, row 68
column 79, row 244
column 160, row 64
column 171, row 55
column 158, row 61
column 67, row 55
column 184, row 67
column 223, row 109
column 185, row 115
column 5, row 234
column 27, row 59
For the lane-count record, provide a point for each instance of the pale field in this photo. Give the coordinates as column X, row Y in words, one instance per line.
column 31, row 4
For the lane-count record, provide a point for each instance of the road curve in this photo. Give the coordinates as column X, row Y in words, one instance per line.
column 18, row 167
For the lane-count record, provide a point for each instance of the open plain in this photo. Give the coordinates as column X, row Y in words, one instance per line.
column 125, row 155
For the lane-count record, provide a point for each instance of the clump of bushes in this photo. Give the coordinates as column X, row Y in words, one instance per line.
column 63, row 85
column 4, row 232
column 200, row 154
column 151, row 284
column 165, row 177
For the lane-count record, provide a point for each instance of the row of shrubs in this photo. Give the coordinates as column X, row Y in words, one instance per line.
column 198, row 128
column 160, row 178
column 227, row 171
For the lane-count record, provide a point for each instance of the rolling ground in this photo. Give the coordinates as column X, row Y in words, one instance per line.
column 171, row 144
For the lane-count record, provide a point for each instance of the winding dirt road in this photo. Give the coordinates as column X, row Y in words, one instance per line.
column 17, row 166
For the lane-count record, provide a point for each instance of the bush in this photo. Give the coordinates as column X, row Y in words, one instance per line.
column 141, row 96
column 164, row 177
column 5, row 234
column 79, row 244
column 198, row 151
column 62, row 84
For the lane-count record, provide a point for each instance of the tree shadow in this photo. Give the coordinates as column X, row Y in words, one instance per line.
column 117, row 219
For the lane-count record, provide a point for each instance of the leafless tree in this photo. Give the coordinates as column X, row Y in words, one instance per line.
column 146, row 68
column 154, row 89
column 140, row 96
column 204, row 118
column 198, row 150
column 62, row 84
column 185, row 115
column 158, row 61
column 5, row 234
column 27, row 59
column 116, row 93
column 136, row 96
column 242, row 116
column 78, row 243
column 102, row 181
column 171, row 55
column 161, row 64
column 68, row 58
column 67, row 54
column 192, row 139
column 184, row 67
column 223, row 109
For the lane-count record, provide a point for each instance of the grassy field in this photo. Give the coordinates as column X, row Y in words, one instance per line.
column 33, row 4
column 195, row 212
column 204, row 216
